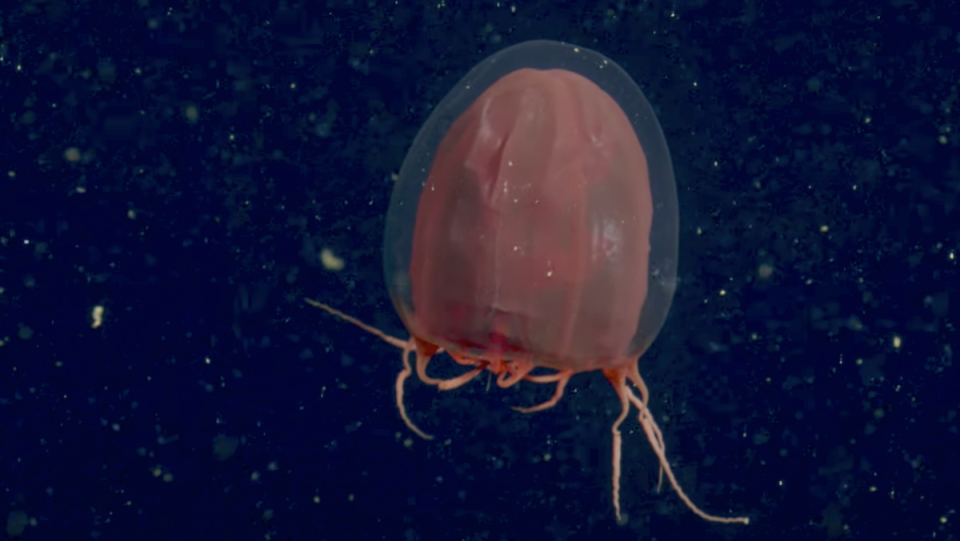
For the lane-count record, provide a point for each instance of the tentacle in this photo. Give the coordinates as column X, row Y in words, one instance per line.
column 550, row 378
column 458, row 381
column 372, row 330
column 401, row 378
column 618, row 380
column 633, row 374
column 655, row 437
column 561, row 378
column 422, row 362
column 406, row 347
column 508, row 379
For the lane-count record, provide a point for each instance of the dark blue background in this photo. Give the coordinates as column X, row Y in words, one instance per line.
column 783, row 399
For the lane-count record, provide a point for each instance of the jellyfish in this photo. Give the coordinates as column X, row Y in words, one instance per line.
column 534, row 225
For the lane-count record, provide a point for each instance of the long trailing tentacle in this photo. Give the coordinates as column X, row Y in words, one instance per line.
column 406, row 347
column 396, row 342
column 618, row 380
column 655, row 437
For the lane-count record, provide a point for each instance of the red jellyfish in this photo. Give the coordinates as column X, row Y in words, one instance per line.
column 534, row 225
